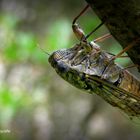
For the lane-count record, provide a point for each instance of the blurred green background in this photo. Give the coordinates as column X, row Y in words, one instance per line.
column 35, row 103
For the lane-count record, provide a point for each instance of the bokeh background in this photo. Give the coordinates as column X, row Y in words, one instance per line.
column 35, row 103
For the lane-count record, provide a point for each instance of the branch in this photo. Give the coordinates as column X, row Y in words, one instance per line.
column 122, row 18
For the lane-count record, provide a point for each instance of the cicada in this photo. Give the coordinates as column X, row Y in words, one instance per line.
column 88, row 67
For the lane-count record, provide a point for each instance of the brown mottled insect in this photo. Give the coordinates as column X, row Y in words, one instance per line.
column 88, row 67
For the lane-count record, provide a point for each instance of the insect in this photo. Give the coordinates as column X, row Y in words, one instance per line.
column 88, row 67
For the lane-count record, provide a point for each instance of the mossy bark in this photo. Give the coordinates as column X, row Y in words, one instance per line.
column 122, row 18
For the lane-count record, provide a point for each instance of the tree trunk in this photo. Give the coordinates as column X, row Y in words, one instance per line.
column 122, row 18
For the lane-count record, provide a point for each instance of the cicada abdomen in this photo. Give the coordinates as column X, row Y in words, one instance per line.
column 130, row 83
column 126, row 93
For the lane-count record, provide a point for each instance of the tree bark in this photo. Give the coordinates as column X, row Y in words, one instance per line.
column 122, row 18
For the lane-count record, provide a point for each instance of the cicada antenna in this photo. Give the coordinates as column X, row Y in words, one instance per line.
column 43, row 50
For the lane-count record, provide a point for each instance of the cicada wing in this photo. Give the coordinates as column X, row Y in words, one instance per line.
column 116, row 96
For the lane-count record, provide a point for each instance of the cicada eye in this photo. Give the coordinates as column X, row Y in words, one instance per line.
column 57, row 55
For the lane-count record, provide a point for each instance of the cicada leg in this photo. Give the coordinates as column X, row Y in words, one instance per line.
column 131, row 45
column 88, row 35
column 88, row 46
column 102, row 38
column 119, row 55
column 78, row 30
column 132, row 66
